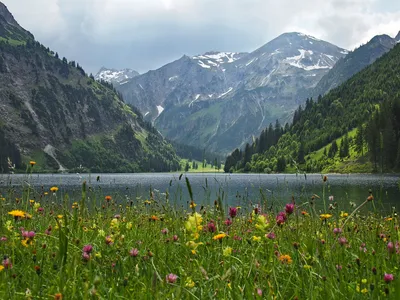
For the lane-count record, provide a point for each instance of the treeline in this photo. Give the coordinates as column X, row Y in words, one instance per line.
column 194, row 153
column 369, row 97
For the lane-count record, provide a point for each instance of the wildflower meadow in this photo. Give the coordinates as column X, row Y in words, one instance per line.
column 106, row 247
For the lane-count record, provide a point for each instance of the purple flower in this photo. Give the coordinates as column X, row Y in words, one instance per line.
column 134, row 252
column 3, row 239
column 390, row 247
column 117, row 216
column 164, row 231
column 31, row 234
column 342, row 241
column 338, row 267
column 337, row 230
column 259, row 292
column 388, row 277
column 85, row 256
column 175, row 238
column 211, row 227
column 171, row 278
column 289, row 208
column 271, row 236
column 232, row 212
column 228, row 222
column 87, row 249
column 7, row 263
column 281, row 218
column 25, row 234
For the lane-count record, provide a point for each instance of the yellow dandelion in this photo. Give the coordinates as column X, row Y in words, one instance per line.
column 31, row 201
column 388, row 219
column 147, row 202
column 60, row 216
column 325, row 216
column 154, row 218
column 219, row 236
column 53, row 189
column 344, row 214
column 17, row 213
column 192, row 204
column 3, row 199
column 24, row 243
column 256, row 238
column 1, row 268
column 193, row 252
column 285, row 259
column 32, row 163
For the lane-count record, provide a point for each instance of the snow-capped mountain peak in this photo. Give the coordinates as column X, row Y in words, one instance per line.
column 215, row 59
column 115, row 76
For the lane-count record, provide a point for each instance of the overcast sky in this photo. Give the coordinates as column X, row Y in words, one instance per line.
column 145, row 34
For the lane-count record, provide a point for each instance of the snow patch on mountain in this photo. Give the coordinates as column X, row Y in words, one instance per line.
column 298, row 61
column 227, row 92
column 216, row 59
column 160, row 109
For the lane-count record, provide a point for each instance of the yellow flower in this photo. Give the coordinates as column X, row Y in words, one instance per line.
column 31, row 201
column 219, row 236
column 85, row 229
column 229, row 285
column 24, row 243
column 364, row 281
column 9, row 226
column 129, row 225
column 194, row 222
column 227, row 251
column 364, row 291
column 193, row 252
column 147, row 202
column 36, row 205
column 75, row 205
column 307, row 267
column 189, row 283
column 60, row 216
column 154, row 218
column 261, row 222
column 256, row 238
column 53, row 189
column 32, row 163
column 193, row 244
column 98, row 254
column 344, row 214
column 388, row 219
column 192, row 204
column 325, row 216
column 17, row 213
column 114, row 223
column 3, row 199
column 1, row 268
column 285, row 259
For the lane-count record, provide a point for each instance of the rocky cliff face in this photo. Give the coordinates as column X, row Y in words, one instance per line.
column 218, row 100
column 50, row 111
column 114, row 76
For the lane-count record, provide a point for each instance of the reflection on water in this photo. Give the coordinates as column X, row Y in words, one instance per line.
column 234, row 189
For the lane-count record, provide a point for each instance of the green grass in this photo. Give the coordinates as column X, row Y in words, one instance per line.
column 148, row 249
column 207, row 169
column 13, row 42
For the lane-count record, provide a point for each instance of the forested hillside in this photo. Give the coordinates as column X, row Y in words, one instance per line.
column 369, row 100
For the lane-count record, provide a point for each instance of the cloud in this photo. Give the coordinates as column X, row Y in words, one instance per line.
column 145, row 34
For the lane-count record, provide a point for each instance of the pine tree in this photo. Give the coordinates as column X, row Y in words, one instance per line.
column 359, row 140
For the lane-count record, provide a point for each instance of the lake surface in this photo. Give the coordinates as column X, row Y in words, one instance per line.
column 234, row 189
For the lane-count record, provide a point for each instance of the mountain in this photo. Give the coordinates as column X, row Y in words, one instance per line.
column 115, row 76
column 218, row 100
column 354, row 62
column 354, row 127
column 53, row 113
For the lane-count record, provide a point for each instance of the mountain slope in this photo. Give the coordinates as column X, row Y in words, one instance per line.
column 370, row 98
column 354, row 62
column 219, row 100
column 53, row 113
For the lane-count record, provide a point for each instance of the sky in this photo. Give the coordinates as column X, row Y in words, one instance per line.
column 146, row 34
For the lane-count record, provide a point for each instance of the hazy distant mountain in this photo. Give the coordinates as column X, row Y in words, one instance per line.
column 219, row 100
